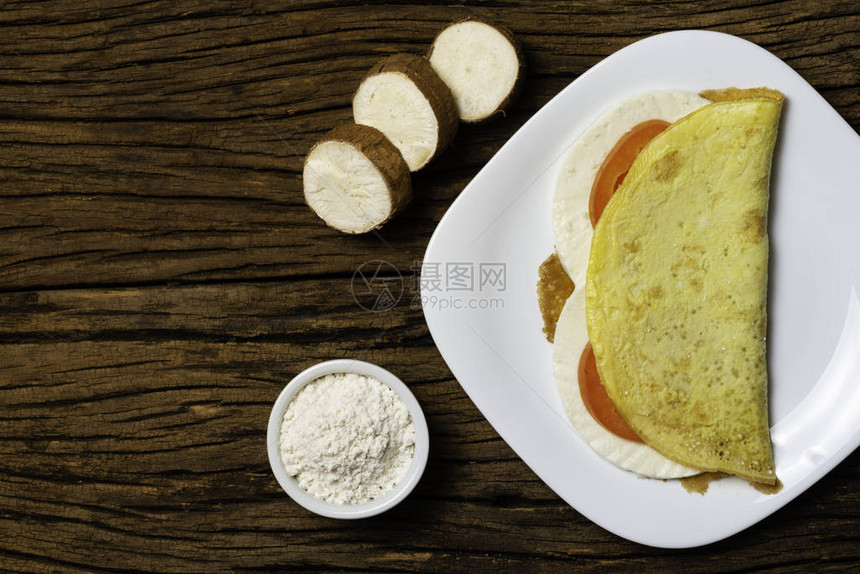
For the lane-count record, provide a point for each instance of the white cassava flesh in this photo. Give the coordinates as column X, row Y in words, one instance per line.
column 355, row 179
column 404, row 98
column 481, row 63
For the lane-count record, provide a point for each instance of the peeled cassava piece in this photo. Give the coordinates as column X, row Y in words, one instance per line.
column 677, row 287
column 403, row 98
column 481, row 63
column 355, row 179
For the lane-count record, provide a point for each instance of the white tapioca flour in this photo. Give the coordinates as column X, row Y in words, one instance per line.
column 347, row 438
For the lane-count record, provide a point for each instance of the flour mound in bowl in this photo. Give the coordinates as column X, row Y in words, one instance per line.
column 347, row 438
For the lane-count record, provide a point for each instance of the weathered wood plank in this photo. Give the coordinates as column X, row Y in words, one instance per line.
column 133, row 438
column 152, row 142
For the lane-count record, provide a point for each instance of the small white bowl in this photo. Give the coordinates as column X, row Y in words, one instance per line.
column 348, row 511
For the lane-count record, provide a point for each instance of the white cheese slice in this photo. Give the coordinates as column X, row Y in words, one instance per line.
column 571, row 337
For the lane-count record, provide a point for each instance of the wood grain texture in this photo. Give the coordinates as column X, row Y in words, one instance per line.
column 161, row 279
column 167, row 140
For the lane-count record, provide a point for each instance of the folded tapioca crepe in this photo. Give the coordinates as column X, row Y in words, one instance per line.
column 677, row 288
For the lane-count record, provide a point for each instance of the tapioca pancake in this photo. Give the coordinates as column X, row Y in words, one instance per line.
column 677, row 289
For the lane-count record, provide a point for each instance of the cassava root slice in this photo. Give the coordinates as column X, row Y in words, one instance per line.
column 406, row 100
column 355, row 179
column 481, row 63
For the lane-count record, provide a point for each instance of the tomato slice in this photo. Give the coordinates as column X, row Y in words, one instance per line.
column 618, row 162
column 609, row 177
column 596, row 399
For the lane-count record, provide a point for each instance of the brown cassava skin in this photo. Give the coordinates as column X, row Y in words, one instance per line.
column 521, row 74
column 418, row 69
column 385, row 156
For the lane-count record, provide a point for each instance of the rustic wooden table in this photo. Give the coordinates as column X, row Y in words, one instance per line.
column 162, row 279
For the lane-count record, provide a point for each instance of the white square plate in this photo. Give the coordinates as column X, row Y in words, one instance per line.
column 489, row 332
